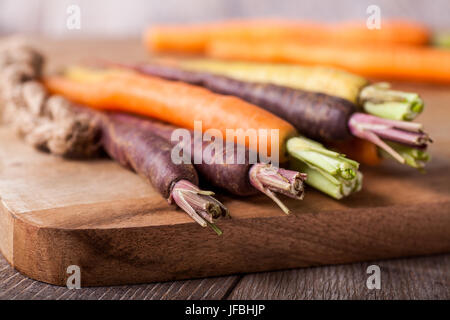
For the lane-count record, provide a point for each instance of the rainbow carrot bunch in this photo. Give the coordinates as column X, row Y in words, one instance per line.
column 182, row 104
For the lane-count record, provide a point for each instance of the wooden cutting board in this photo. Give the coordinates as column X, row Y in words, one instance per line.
column 94, row 214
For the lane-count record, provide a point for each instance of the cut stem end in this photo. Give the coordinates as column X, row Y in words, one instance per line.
column 379, row 100
column 375, row 129
column 198, row 204
column 328, row 171
column 270, row 180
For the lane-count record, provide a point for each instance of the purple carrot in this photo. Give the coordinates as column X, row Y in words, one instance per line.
column 242, row 179
column 149, row 155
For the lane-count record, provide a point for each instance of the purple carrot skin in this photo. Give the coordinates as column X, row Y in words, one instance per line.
column 242, row 179
column 316, row 115
column 149, row 155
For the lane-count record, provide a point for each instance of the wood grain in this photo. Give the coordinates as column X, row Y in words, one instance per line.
column 14, row 286
column 105, row 219
column 413, row 278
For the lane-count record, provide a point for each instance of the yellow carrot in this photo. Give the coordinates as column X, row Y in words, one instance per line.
column 327, row 80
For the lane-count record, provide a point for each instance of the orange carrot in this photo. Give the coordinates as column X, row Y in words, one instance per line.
column 395, row 62
column 391, row 32
column 195, row 38
column 175, row 102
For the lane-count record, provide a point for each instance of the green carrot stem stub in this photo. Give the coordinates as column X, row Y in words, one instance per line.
column 328, row 171
column 379, row 100
column 442, row 39
column 416, row 158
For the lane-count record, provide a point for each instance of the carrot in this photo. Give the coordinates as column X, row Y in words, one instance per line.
column 327, row 80
column 196, row 38
column 149, row 155
column 242, row 179
column 391, row 32
column 377, row 99
column 182, row 104
column 395, row 62
column 316, row 115
column 174, row 102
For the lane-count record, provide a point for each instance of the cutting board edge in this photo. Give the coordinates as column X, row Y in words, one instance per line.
column 42, row 253
column 7, row 220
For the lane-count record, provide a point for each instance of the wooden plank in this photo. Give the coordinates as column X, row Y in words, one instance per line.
column 112, row 224
column 14, row 286
column 413, row 278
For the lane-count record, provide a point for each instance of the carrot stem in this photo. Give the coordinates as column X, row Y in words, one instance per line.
column 413, row 157
column 198, row 204
column 442, row 40
column 328, row 171
column 270, row 180
column 375, row 129
column 378, row 99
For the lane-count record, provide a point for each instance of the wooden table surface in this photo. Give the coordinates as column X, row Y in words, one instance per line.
column 412, row 278
column 409, row 278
